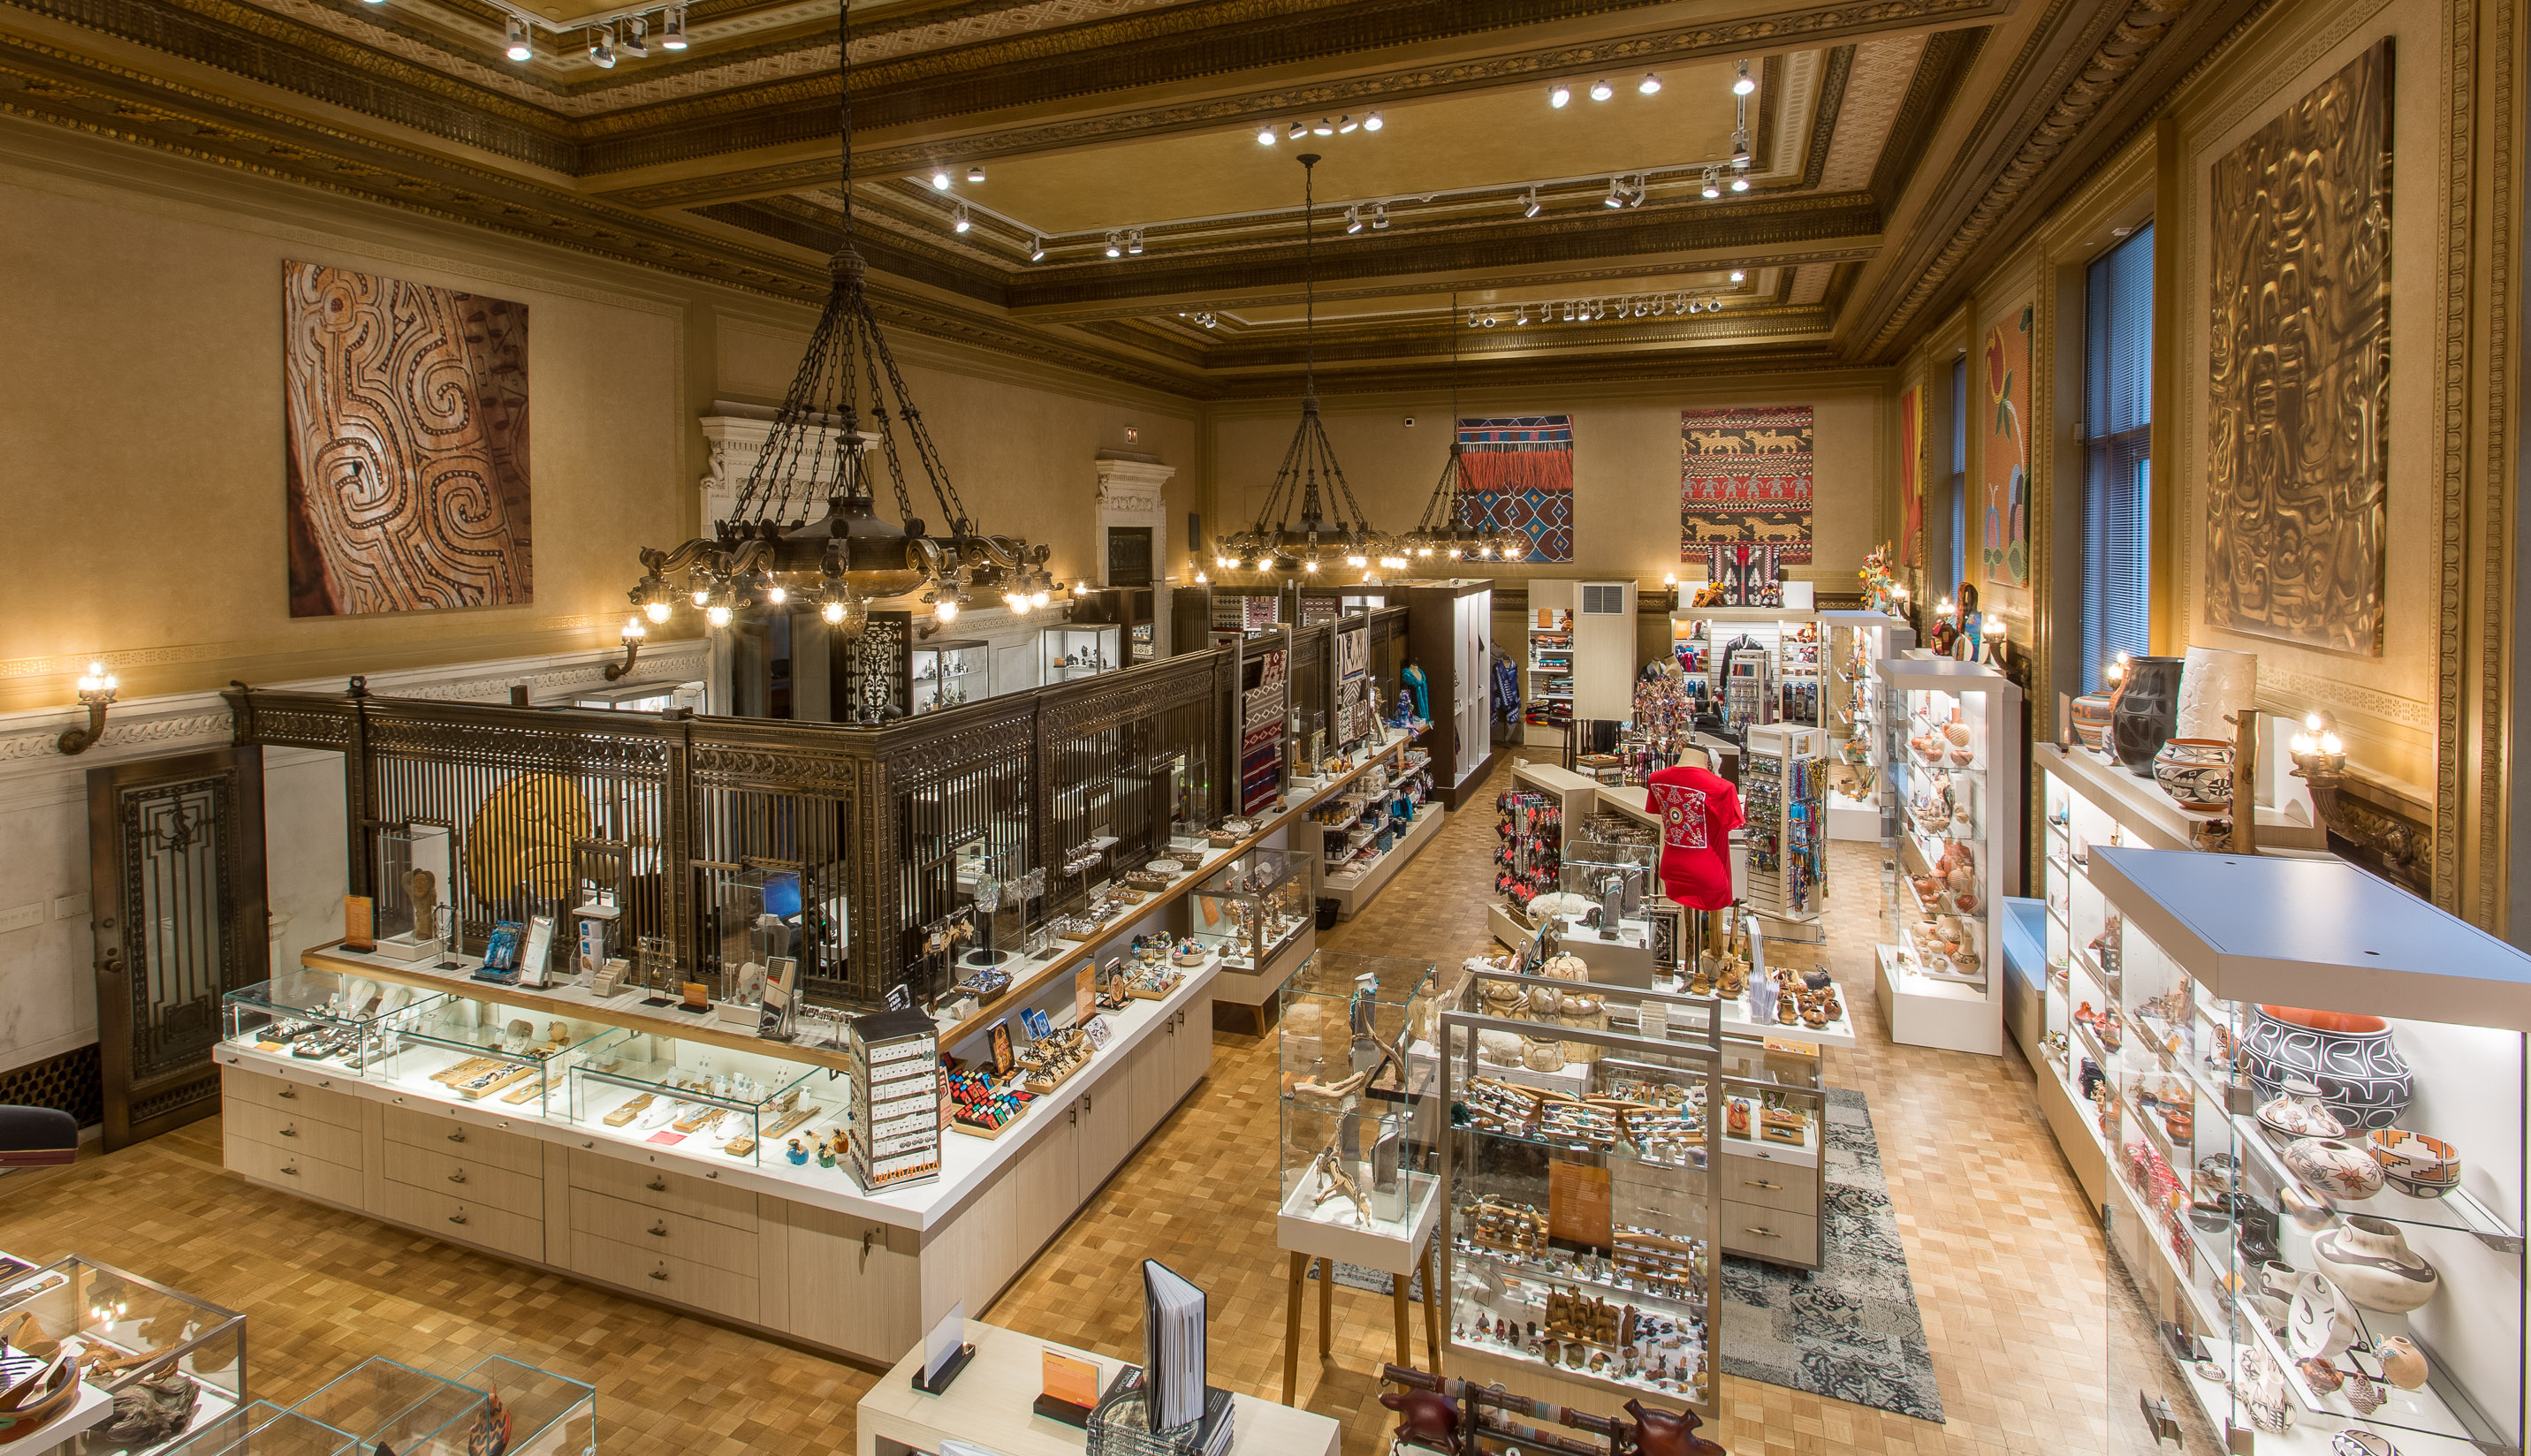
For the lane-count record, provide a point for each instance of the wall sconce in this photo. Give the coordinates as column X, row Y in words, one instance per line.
column 634, row 632
column 96, row 687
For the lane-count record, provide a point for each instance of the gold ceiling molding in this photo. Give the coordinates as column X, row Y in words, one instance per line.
column 1882, row 72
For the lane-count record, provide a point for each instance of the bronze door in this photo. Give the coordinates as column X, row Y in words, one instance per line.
column 176, row 872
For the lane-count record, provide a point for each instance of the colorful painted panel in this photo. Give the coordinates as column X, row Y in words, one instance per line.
column 1518, row 471
column 2298, row 369
column 1745, row 476
column 406, row 408
column 1911, row 478
column 2004, row 542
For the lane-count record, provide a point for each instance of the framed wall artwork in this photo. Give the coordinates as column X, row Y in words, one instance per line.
column 2004, row 542
column 2298, row 369
column 405, row 409
column 1745, row 476
column 1912, row 477
column 1518, row 475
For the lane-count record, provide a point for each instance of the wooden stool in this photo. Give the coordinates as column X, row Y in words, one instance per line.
column 1398, row 1295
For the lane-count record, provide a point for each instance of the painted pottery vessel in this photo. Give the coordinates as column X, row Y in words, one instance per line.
column 2090, row 716
column 2323, row 1322
column 2370, row 1260
column 2148, row 705
column 2296, row 1111
column 2197, row 773
column 2333, row 1167
column 2417, row 1165
column 2402, row 1362
column 2362, row 1079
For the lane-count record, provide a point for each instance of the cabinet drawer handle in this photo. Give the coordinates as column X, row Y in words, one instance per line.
column 457, row 1218
column 1084, row 1102
column 657, row 1185
column 457, row 1177
column 1764, row 1233
column 661, row 1273
column 1761, row 1183
column 291, row 1131
column 292, row 1171
column 658, row 1230
column 287, row 1092
column 456, row 1137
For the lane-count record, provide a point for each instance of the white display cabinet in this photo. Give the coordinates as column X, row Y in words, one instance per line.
column 1783, row 684
column 2313, row 1110
column 946, row 674
column 1851, row 711
column 1082, row 651
column 1953, row 742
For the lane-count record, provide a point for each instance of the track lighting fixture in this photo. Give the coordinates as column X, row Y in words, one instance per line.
column 1490, row 320
column 1635, row 195
column 1600, row 91
column 636, row 38
column 976, row 171
column 1522, row 320
column 1115, row 245
column 1324, row 127
column 672, row 28
column 1569, row 311
column 521, row 48
column 1617, row 197
column 1738, row 277
column 1740, row 148
column 1650, row 86
column 1134, row 241
column 1739, row 183
column 1266, row 134
column 1529, row 203
column 1713, row 183
column 1299, row 130
column 1037, row 249
column 1558, row 95
column 1373, row 123
column 1345, row 124
column 1206, row 320
column 1378, row 216
column 939, row 179
column 1353, row 218
column 602, row 47
column 959, row 222
column 1743, row 86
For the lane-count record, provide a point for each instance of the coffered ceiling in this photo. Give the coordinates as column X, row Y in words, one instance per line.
column 1894, row 145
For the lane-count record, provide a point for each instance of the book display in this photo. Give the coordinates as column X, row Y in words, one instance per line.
column 1852, row 711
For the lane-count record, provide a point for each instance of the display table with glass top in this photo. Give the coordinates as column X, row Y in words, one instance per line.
column 140, row 1337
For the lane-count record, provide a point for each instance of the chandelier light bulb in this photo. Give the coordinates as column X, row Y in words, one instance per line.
column 1345, row 126
column 1559, row 95
column 657, row 611
column 778, row 594
column 1600, row 91
column 717, row 614
column 1310, row 565
column 1037, row 597
column 939, row 179
column 1650, row 86
column 672, row 28
column 1743, row 86
column 521, row 48
column 703, row 594
column 945, row 610
column 832, row 611
column 1266, row 134
column 1373, row 123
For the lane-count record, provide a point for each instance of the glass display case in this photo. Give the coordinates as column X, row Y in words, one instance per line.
column 1080, row 652
column 1851, row 711
column 262, row 1429
column 385, row 1404
column 415, row 891
column 949, row 673
column 137, row 1333
column 1360, row 1138
column 346, row 1022
column 1616, row 879
column 1580, row 1197
column 696, row 1097
column 1248, row 911
column 549, row 1415
column 2312, row 1095
column 1953, row 740
column 488, row 1052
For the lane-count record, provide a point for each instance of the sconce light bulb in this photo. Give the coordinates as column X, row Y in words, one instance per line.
column 832, row 611
column 778, row 594
column 2331, row 744
column 657, row 611
column 634, row 630
column 2311, row 720
column 945, row 609
column 702, row 596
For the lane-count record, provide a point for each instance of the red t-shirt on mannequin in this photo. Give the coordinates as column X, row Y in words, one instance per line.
column 1697, row 809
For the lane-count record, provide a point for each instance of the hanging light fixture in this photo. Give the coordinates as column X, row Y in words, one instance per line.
column 1444, row 528
column 820, row 452
column 1309, row 481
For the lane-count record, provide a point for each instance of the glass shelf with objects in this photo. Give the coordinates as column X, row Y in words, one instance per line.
column 265, row 1429
column 1254, row 908
column 1360, row 1148
column 949, row 673
column 414, row 912
column 488, row 1052
column 1550, row 708
column 1953, row 736
column 700, row 1098
column 1580, row 1202
column 2312, row 1106
column 344, row 1022
column 184, row 1356
column 1851, row 710
column 1072, row 653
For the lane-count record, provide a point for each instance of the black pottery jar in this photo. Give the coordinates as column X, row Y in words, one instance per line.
column 2146, row 711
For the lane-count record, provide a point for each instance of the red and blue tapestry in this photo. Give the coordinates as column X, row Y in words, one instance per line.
column 1518, row 475
column 1745, row 476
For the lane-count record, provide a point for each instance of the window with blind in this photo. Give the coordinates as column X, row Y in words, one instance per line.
column 2117, row 455
column 1959, row 476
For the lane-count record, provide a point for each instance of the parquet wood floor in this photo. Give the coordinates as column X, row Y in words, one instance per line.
column 2006, row 1264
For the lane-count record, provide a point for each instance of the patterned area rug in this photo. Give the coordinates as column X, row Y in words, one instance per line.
column 1851, row 1330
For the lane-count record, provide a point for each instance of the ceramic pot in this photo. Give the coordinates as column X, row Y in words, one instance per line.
column 1956, row 730
column 2362, row 1079
column 2090, row 716
column 2403, row 1363
column 2333, row 1167
column 2215, row 683
column 2279, row 1281
column 2371, row 1261
column 2197, row 773
column 2147, row 709
column 2417, row 1165
column 2296, row 1111
column 2323, row 1322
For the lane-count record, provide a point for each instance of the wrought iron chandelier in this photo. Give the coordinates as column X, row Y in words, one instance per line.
column 1309, row 481
column 1444, row 530
column 768, row 554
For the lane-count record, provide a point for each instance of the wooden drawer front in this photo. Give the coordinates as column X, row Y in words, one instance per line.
column 294, row 1169
column 1769, row 1185
column 1769, row 1233
column 463, row 1178
column 664, row 1276
column 654, row 1186
column 292, row 1131
column 306, row 1098
column 469, row 1138
column 678, row 1235
column 465, row 1220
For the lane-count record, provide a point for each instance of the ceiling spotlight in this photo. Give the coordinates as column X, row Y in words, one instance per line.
column 1739, row 183
column 1373, row 123
column 1207, row 319
column 1635, row 197
column 1568, row 311
column 1738, row 277
column 975, row 174
column 1473, row 319
column 1345, row 124
column 1523, row 320
column 521, row 47
column 939, row 179
column 1617, row 197
column 1299, row 130
column 601, row 50
column 959, row 222
column 1650, row 86
column 1743, row 86
column 636, row 38
column 1490, row 320
column 1134, row 241
column 1740, row 148
column 1558, row 95
column 1713, row 183
column 1529, row 203
column 672, row 28
column 1600, row 91
column 1037, row 249
column 1267, row 136
column 1353, row 218
column 1378, row 216
column 1115, row 245
column 1324, row 127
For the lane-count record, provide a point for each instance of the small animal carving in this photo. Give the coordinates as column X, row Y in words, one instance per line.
column 1715, row 442
column 1661, row 1434
column 1781, row 531
column 1427, row 1421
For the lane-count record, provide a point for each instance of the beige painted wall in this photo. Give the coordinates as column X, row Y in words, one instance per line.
column 1625, row 465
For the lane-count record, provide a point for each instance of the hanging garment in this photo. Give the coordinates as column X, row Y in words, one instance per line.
column 1507, row 691
column 1422, row 689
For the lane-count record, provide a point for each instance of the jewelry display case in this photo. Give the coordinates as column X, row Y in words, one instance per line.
column 184, row 1356
column 1361, row 1159
column 1606, row 918
column 897, row 1095
column 2312, row 1095
column 696, row 1099
column 949, row 673
column 1580, row 1202
column 491, row 1052
column 1072, row 653
column 262, row 1429
column 343, row 1021
column 383, row 1403
column 1953, row 744
column 1853, row 712
column 1255, row 909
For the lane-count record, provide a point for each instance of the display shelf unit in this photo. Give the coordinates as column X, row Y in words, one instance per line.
column 1532, row 817
column 1784, row 798
column 1851, row 710
column 1449, row 634
column 1782, row 649
column 133, row 1328
column 1071, row 653
column 2236, row 979
column 1548, row 685
column 951, row 674
column 1952, row 738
